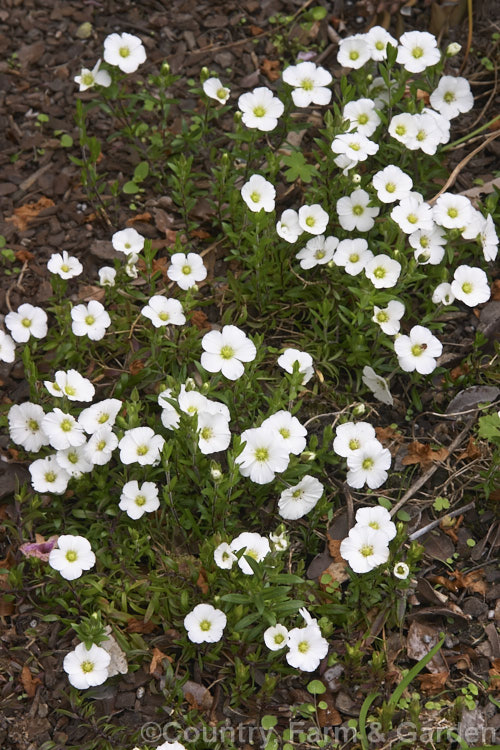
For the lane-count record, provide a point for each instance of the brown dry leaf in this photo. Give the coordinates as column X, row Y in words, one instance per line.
column 270, row 69
column 197, row 696
column 29, row 682
column 90, row 292
column 24, row 256
column 136, row 366
column 255, row 30
column 155, row 667
column 202, row 581
column 199, row 319
column 334, row 548
column 24, row 214
column 433, row 683
column 420, row 453
column 472, row 451
column 421, row 638
column 459, row 370
column 494, row 673
column 329, row 716
column 201, row 234
column 445, row 582
column 495, row 290
column 135, row 625
column 388, row 435
column 140, row 217
column 337, row 572
column 472, row 581
column 160, row 265
column 423, row 96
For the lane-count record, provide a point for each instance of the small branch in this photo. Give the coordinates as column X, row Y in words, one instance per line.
column 437, row 521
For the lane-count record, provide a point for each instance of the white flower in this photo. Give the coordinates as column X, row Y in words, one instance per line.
column 401, row 571
column 205, row 624
column 288, row 429
column 186, row 270
column 377, row 518
column 392, row 184
column 296, row 501
column 427, row 136
column 383, row 271
column 442, row 294
column 362, row 116
column 279, row 541
column 354, row 212
column 418, row 351
column 356, row 146
column 412, row 214
column 73, row 556
column 380, row 93
column 64, row 265
column 25, row 426
column 313, row 219
column 136, row 501
column 318, row 251
column 258, row 194
column 452, row 96
column 100, row 414
column 377, row 385
column 192, row 402
column 442, row 124
column 90, row 320
column 48, row 476
column 417, row 51
column 169, row 746
column 107, row 276
column 74, row 460
column 403, row 127
column 452, row 211
column 470, row 285
column 428, row 245
column 364, row 549
column 306, row 647
column 101, row 445
column 162, row 311
column 276, row 637
column 253, row 545
column 214, row 89
column 368, row 465
column 353, row 52
column 140, row 445
column 90, row 78
column 377, row 39
column 350, row 437
column 125, row 51
column 7, row 348
column 260, row 108
column 128, row 241
column 309, row 82
column 304, row 360
column 288, row 227
column 353, row 255
column 86, row 667
column 131, row 266
column 489, row 239
column 72, row 385
column 27, row 321
column 213, row 432
column 388, row 318
column 262, row 456
column 473, row 229
column 62, row 429
column 226, row 350
column 224, row 557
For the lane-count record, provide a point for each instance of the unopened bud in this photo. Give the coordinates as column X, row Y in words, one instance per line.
column 356, row 178
column 358, row 410
column 204, row 74
column 308, row 455
column 165, row 68
column 453, row 49
column 216, row 473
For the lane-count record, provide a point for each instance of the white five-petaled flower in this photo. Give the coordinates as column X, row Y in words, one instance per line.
column 470, row 285
column 313, row 219
column 86, row 667
column 107, row 276
column 429, row 245
column 392, row 184
column 418, row 350
column 253, row 545
column 186, row 270
column 417, row 51
column 452, row 96
column 355, row 146
column 72, row 385
column 25, row 426
column 62, row 430
column 413, row 213
column 224, row 556
column 377, row 39
column 306, row 647
column 353, row 255
column 353, row 52
column 90, row 320
column 125, row 51
column 364, row 549
column 368, row 465
column 258, row 194
column 7, row 348
column 296, row 501
column 205, row 624
column 136, row 500
column 489, row 239
column 261, row 109
column 226, row 350
column 377, row 518
column 350, row 437
column 288, row 429
column 162, row 311
column 401, row 571
column 383, row 271
column 452, row 211
column 403, row 127
column 213, row 432
column 362, row 117
column 318, row 251
column 128, row 241
column 442, row 294
column 95, row 77
column 388, row 318
column 262, row 456
column 355, row 213
column 214, row 89
column 101, row 445
column 377, row 385
column 75, row 460
column 309, row 83
column 276, row 637
column 100, row 414
column 140, row 445
column 64, row 265
column 304, row 362
column 27, row 321
column 72, row 556
column 48, row 476
column 288, row 227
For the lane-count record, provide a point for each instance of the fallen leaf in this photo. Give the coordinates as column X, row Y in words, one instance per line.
column 420, row 453
column 202, row 582
column 495, row 290
column 433, row 683
column 329, row 716
column 201, row 234
column 89, row 292
column 118, row 663
column 494, row 673
column 334, row 548
column 197, row 696
column 199, row 319
column 155, row 668
column 462, row 369
column 136, row 366
column 29, row 682
column 336, row 571
column 255, row 30
column 139, row 626
column 388, row 435
column 472, row 581
column 140, row 217
column 160, row 266
column 472, row 451
column 24, row 214
column 270, row 69
column 40, row 548
column 445, row 582
column 24, row 256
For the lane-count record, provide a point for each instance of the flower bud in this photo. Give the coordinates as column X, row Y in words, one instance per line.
column 308, row 456
column 453, row 49
column 359, row 410
column 216, row 472
column 356, row 178
column 165, row 68
column 204, row 74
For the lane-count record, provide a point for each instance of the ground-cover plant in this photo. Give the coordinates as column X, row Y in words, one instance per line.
column 173, row 475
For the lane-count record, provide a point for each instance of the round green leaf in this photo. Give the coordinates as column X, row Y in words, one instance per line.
column 316, row 687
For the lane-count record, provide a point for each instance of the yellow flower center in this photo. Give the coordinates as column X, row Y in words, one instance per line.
column 26, row 322
column 304, row 647
column 353, row 54
column 142, row 450
column 319, row 254
column 89, row 319
column 163, row 316
column 261, row 454
column 205, row 625
column 101, row 445
column 279, row 638
column 124, row 51
column 227, row 352
column 417, row 52
column 206, row 433
column 417, row 350
column 103, row 418
column 400, row 129
column 382, row 316
column 353, row 258
column 87, row 666
column 255, row 196
column 358, row 210
column 259, row 111
column 66, row 425
column 452, row 213
column 363, row 119
column 310, row 221
column 467, row 287
column 69, row 390
column 449, row 97
column 284, row 433
column 87, row 80
column 65, row 268
column 33, row 425
column 71, row 555
column 355, row 146
column 366, row 550
column 307, row 84
column 367, row 463
column 50, row 476
column 140, row 500
column 412, row 218
column 379, row 272
column 390, row 187
column 186, row 270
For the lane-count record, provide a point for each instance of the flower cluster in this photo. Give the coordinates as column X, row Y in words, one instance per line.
column 367, row 544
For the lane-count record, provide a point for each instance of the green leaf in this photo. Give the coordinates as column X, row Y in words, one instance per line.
column 402, row 515
column 130, row 188
column 298, row 167
column 66, row 141
column 268, row 721
column 316, row 687
column 141, row 171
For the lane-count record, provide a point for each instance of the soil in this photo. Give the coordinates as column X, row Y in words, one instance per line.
column 44, row 46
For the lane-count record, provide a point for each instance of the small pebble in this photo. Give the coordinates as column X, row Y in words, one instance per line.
column 140, row 693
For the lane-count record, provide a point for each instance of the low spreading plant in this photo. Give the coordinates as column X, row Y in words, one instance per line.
column 174, row 474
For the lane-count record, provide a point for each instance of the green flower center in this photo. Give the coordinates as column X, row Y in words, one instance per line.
column 71, row 555
column 303, row 647
column 206, row 433
column 353, row 54
column 467, row 287
column 417, row 350
column 353, row 444
column 367, row 464
column 101, row 445
column 310, row 221
column 140, row 500
column 66, row 425
column 73, row 458
column 186, row 270
column 89, row 319
column 319, row 254
column 353, row 258
column 87, row 80
column 163, row 316
column 284, row 433
column 296, row 494
column 363, row 119
column 50, row 476
column 252, row 553
column 142, row 450
column 307, row 84
column 355, row 146
column 358, row 210
column 452, row 213
column 279, row 638
column 103, row 418
column 379, row 272
column 87, row 666
column 449, row 97
column 227, row 352
column 26, row 322
column 382, row 316
column 412, row 218
column 424, row 241
column 366, row 550
column 205, row 625
column 65, row 268
column 417, row 52
column 390, row 187
column 124, row 51
column 374, row 525
column 255, row 196
column 259, row 111
column 221, row 93
column 261, row 454
column 33, row 425
column 379, row 45
column 421, row 135
column 69, row 390
column 400, row 129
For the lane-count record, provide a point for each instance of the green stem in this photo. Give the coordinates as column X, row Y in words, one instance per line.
column 471, row 135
